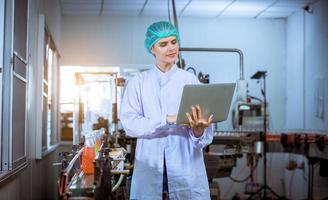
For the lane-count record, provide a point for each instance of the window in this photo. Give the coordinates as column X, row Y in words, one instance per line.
column 49, row 114
column 47, row 74
column 14, row 68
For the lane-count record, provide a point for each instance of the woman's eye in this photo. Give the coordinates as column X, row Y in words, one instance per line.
column 174, row 42
column 162, row 44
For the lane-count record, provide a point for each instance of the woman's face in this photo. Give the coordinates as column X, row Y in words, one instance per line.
column 166, row 50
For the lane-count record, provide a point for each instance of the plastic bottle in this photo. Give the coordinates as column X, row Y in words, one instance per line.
column 98, row 136
column 88, row 154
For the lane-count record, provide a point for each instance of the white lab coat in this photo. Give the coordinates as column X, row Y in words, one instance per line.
column 147, row 99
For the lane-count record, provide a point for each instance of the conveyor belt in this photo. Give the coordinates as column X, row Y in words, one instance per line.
column 311, row 144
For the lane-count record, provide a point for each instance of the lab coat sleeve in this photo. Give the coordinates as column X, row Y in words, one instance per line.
column 203, row 140
column 131, row 114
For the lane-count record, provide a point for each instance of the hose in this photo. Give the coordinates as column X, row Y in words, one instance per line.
column 118, row 183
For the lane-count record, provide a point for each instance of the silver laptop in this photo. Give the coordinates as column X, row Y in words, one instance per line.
column 213, row 99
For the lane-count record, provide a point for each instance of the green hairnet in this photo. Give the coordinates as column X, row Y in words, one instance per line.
column 159, row 30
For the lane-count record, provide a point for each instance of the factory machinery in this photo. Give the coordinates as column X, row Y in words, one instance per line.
column 309, row 144
column 314, row 146
column 114, row 161
column 112, row 173
column 251, row 137
column 111, row 167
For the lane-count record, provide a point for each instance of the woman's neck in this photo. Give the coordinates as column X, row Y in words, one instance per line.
column 164, row 67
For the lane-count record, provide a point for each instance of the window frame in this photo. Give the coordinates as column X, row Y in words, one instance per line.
column 8, row 166
column 40, row 149
column 2, row 47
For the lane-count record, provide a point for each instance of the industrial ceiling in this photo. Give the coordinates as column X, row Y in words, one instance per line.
column 186, row 8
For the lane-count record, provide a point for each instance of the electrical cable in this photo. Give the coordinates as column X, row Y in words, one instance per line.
column 240, row 181
column 193, row 69
column 232, row 184
column 255, row 98
column 246, row 178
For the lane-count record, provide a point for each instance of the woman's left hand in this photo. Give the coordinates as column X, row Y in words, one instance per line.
column 198, row 121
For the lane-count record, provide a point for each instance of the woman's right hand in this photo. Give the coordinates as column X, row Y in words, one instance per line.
column 198, row 121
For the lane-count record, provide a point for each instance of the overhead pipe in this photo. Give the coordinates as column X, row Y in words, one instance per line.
column 181, row 65
column 233, row 50
column 241, row 83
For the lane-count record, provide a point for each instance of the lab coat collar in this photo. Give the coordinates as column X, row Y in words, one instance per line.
column 164, row 78
column 167, row 74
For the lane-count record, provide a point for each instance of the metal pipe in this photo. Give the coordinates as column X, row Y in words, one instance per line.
column 72, row 162
column 177, row 27
column 115, row 109
column 233, row 50
column 175, row 15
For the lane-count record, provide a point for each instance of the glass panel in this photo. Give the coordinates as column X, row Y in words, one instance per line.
column 20, row 27
column 20, row 67
column 18, row 117
column 19, row 90
column 49, row 101
column 46, row 48
column 44, row 122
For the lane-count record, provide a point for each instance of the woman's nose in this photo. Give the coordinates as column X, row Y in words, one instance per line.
column 171, row 46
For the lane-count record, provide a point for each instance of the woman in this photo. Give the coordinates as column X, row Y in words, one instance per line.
column 167, row 161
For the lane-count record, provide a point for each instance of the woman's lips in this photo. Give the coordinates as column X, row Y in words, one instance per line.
column 171, row 55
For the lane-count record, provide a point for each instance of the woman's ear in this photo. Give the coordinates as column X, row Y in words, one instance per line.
column 152, row 51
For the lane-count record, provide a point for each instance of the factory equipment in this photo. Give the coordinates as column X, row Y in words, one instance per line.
column 98, row 169
column 107, row 181
column 310, row 144
column 96, row 103
column 219, row 165
column 248, row 116
column 261, row 75
column 249, row 122
column 313, row 145
column 250, row 113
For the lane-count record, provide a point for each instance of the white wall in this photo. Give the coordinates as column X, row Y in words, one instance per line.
column 92, row 41
column 295, row 67
column 52, row 11
column 307, row 46
column 295, row 98
column 316, row 64
column 307, row 39
column 306, row 61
